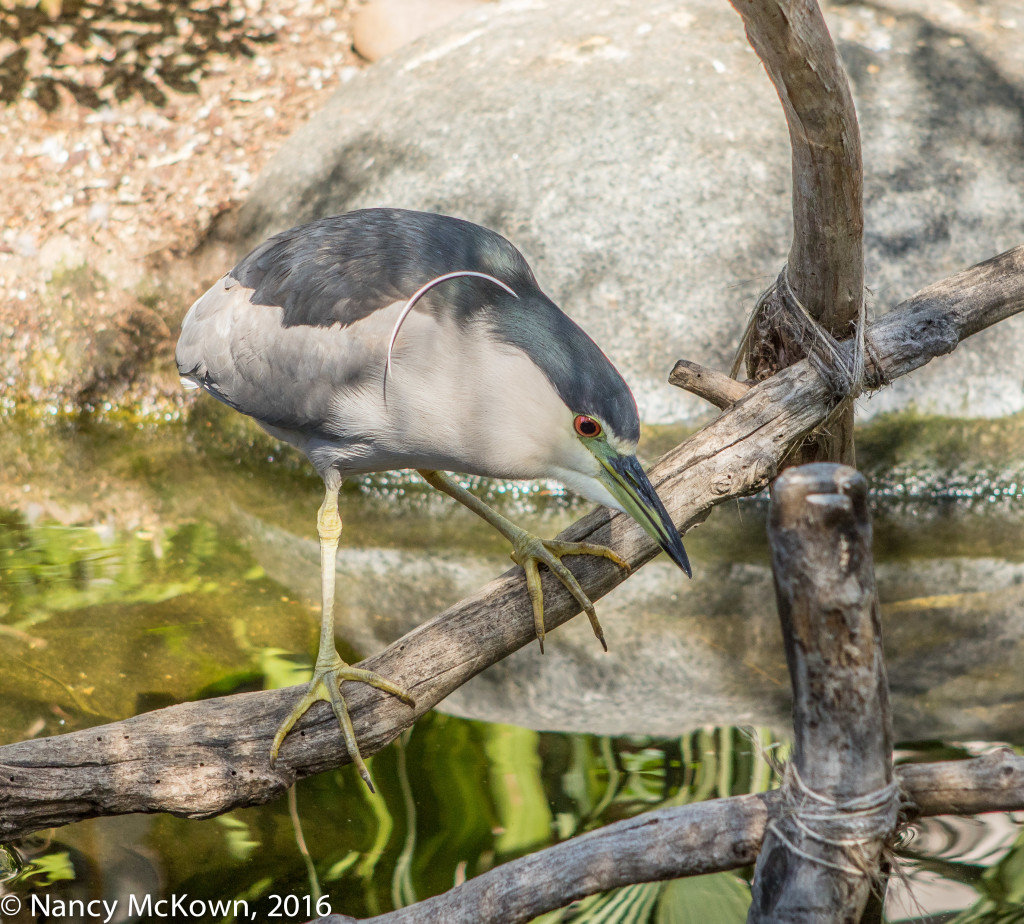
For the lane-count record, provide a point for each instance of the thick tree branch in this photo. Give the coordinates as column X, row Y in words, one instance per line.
column 826, row 260
column 708, row 837
column 200, row 759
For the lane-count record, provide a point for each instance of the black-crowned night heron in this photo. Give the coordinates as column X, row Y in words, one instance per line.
column 386, row 339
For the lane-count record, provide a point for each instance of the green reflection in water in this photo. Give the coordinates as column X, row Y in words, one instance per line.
column 455, row 799
column 97, row 625
column 141, row 609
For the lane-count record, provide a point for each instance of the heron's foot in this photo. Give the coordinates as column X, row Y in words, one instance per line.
column 529, row 551
column 328, row 675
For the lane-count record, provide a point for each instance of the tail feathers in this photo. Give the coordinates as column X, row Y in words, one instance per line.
column 198, row 378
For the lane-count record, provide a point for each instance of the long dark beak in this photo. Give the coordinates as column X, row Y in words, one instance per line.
column 629, row 485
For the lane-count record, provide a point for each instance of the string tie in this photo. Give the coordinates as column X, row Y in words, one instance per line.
column 779, row 308
column 851, row 825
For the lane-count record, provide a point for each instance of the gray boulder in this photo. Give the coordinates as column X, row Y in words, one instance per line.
column 684, row 655
column 638, row 156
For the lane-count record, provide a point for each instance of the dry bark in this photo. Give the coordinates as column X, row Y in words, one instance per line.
column 201, row 759
column 708, row 837
column 720, row 389
column 826, row 260
column 818, row 860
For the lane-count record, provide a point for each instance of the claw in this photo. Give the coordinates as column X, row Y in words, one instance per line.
column 529, row 550
column 328, row 675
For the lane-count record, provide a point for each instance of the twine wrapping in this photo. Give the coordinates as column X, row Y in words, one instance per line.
column 850, row 826
column 780, row 309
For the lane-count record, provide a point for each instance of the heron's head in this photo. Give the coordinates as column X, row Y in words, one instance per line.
column 511, row 386
column 586, row 422
column 600, row 463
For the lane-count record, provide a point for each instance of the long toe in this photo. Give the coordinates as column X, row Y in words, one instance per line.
column 358, row 675
column 326, row 686
column 562, row 549
column 536, row 592
column 314, row 693
column 529, row 550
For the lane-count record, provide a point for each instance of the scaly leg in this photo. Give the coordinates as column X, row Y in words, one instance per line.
column 529, row 550
column 330, row 670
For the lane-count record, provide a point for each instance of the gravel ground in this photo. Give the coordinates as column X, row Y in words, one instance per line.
column 104, row 208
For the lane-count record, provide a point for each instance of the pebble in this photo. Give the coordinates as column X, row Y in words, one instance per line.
column 383, row 26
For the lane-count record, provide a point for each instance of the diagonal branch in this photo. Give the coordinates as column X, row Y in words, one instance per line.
column 201, row 759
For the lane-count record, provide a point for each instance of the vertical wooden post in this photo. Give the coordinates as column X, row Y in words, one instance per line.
column 819, row 858
column 826, row 260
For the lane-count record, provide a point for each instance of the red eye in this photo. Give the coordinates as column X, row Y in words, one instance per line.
column 586, row 426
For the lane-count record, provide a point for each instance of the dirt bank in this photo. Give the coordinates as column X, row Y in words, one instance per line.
column 104, row 208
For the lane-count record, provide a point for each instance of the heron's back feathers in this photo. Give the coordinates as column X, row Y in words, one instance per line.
column 341, row 269
column 284, row 377
column 296, row 337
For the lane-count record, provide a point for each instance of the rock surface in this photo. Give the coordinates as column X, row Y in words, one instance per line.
column 639, row 158
column 684, row 655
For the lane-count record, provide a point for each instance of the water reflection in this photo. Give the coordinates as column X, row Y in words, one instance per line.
column 956, row 863
column 174, row 566
column 456, row 798
column 707, row 652
column 100, row 625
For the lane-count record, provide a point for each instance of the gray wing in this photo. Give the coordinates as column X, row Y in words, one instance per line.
column 286, row 377
column 341, row 269
column 303, row 320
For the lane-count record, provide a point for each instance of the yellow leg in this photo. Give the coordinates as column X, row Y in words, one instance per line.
column 330, row 670
column 528, row 551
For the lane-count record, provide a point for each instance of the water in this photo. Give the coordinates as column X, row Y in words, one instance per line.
column 129, row 554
